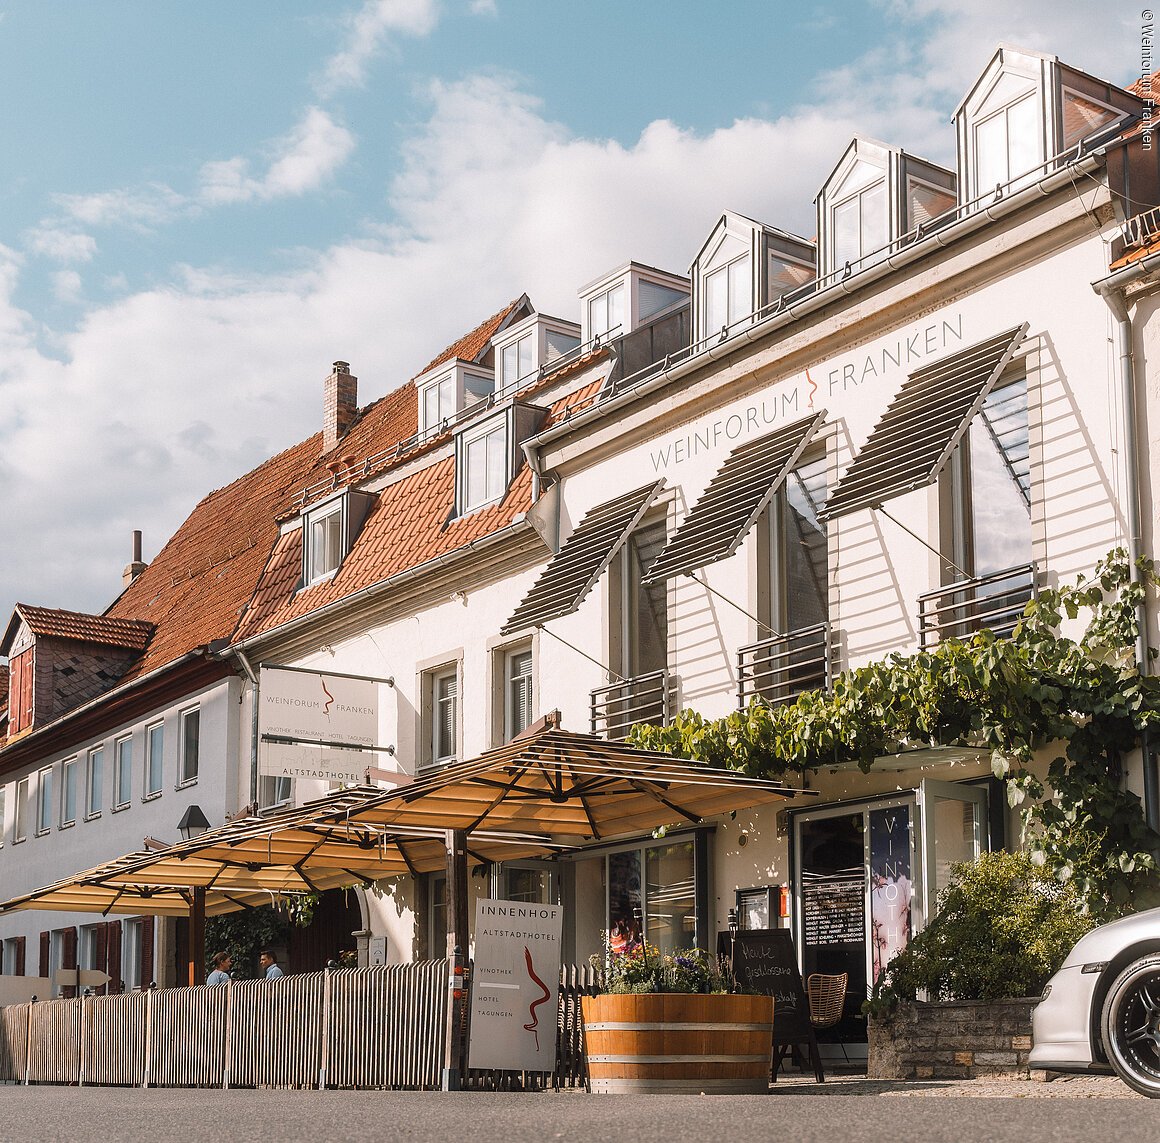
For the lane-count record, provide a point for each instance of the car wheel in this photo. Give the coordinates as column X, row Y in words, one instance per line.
column 1131, row 1026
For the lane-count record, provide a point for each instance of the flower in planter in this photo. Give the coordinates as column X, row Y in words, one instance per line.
column 640, row 967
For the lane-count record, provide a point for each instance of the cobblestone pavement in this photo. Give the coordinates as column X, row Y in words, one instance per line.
column 1060, row 1087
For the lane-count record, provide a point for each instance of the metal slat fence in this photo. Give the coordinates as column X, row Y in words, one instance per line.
column 374, row 1027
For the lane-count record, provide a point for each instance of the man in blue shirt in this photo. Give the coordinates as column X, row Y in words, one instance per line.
column 268, row 962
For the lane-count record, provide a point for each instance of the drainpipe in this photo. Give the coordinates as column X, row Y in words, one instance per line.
column 245, row 663
column 1111, row 289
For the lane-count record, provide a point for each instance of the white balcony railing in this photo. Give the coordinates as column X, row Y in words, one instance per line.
column 779, row 669
column 994, row 601
column 617, row 708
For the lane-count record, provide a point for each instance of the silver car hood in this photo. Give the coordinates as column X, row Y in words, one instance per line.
column 1103, row 943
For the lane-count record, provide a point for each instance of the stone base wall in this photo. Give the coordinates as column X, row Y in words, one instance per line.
column 961, row 1039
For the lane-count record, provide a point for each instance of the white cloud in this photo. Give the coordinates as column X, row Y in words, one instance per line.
column 66, row 286
column 301, row 161
column 59, row 244
column 142, row 209
column 162, row 395
column 483, row 8
column 368, row 31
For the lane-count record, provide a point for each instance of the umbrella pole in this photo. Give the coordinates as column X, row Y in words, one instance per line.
column 457, row 941
column 197, row 936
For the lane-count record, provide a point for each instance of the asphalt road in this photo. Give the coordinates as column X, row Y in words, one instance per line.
column 794, row 1113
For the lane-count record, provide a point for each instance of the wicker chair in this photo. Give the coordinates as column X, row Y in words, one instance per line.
column 827, row 996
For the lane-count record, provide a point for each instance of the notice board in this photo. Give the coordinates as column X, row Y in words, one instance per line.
column 514, row 986
column 765, row 962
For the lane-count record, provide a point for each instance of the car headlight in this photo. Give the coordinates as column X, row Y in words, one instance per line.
column 1046, row 992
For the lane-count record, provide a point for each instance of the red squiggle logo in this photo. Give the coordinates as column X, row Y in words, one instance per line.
column 329, row 698
column 813, row 388
column 535, row 1003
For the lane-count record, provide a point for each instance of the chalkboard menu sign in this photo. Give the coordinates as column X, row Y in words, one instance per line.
column 764, row 962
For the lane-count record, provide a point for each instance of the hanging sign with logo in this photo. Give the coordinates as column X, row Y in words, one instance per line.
column 317, row 725
column 515, row 985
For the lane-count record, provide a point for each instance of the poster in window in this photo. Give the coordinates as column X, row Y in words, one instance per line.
column 891, row 890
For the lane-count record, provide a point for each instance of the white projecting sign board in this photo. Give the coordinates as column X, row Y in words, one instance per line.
column 515, row 985
column 314, row 719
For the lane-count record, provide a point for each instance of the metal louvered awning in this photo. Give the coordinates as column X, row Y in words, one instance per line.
column 736, row 496
column 573, row 571
column 915, row 437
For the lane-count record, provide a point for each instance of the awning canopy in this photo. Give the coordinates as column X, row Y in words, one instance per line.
column 736, row 496
column 570, row 787
column 575, row 569
column 917, row 434
column 542, row 793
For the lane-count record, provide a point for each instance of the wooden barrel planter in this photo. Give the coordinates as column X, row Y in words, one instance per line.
column 673, row 1042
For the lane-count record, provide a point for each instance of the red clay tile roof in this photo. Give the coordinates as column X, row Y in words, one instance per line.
column 109, row 631
column 407, row 526
column 471, row 345
column 1135, row 253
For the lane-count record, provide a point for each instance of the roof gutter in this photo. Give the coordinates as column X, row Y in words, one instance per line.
column 1111, row 289
column 374, row 590
column 896, row 261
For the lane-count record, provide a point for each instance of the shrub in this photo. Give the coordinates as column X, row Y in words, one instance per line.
column 1003, row 927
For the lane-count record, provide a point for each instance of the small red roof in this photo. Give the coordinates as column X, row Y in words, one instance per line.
column 52, row 621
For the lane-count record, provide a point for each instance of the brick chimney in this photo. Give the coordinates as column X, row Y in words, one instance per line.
column 135, row 566
column 339, row 405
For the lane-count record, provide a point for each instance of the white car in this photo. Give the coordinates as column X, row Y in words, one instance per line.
column 1101, row 1010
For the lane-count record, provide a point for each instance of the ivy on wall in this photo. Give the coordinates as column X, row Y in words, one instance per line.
column 1015, row 696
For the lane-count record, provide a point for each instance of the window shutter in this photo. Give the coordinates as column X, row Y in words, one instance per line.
column 45, row 939
column 21, row 958
column 68, row 959
column 146, row 952
column 101, row 955
column 113, row 944
column 20, row 691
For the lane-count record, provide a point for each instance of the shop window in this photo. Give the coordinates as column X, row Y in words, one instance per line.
column 190, row 744
column 68, row 792
column 123, row 793
column 94, row 782
column 154, row 759
column 652, row 893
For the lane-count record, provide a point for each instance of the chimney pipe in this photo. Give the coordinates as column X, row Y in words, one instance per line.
column 339, row 404
column 135, row 566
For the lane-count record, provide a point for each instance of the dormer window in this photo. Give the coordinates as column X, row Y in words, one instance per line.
column 606, row 312
column 525, row 348
column 743, row 268
column 485, row 456
column 436, row 402
column 1006, row 135
column 1084, row 116
column 624, row 299
column 329, row 530
column 873, row 199
column 488, row 454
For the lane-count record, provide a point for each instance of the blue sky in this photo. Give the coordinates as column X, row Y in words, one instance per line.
column 203, row 205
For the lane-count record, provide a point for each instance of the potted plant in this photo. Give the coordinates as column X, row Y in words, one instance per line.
column 670, row 1022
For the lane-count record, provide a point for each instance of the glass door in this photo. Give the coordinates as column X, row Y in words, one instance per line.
column 954, row 829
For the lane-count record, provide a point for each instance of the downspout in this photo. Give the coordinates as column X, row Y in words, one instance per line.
column 240, row 655
column 1111, row 290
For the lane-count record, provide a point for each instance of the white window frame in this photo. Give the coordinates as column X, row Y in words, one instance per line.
column 509, row 683
column 154, row 736
column 68, row 779
column 443, row 389
column 493, row 434
column 319, row 565
column 274, row 792
column 131, row 954
column 532, row 340
column 185, row 778
column 603, row 301
column 44, row 814
column 1005, row 111
column 123, row 773
column 436, row 679
column 737, row 308
column 864, row 250
column 95, row 766
column 20, row 812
